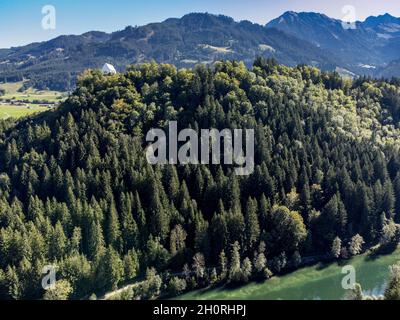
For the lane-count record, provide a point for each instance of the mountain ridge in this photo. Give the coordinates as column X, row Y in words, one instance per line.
column 203, row 38
column 360, row 43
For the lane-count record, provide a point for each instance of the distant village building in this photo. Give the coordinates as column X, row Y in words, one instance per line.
column 108, row 69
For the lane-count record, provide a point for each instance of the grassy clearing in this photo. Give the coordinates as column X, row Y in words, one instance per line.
column 30, row 95
column 11, row 87
column 10, row 111
column 30, row 98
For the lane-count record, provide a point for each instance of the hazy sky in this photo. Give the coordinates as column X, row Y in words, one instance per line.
column 21, row 20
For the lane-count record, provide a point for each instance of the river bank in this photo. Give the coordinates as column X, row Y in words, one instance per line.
column 320, row 281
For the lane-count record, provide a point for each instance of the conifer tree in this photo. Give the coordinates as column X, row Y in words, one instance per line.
column 13, row 284
column 336, row 247
column 252, row 224
column 392, row 291
column 223, row 265
column 131, row 265
column 111, row 270
column 159, row 221
column 129, row 226
column 235, row 266
column 113, row 227
column 246, row 270
column 177, row 239
column 96, row 244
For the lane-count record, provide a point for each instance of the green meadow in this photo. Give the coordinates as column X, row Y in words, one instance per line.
column 12, row 92
column 29, row 97
column 10, row 111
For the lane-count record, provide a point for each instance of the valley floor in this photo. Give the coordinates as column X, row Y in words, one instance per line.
column 16, row 104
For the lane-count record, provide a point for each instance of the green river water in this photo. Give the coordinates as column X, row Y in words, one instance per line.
column 321, row 281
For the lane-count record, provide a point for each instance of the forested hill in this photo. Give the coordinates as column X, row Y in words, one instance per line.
column 76, row 190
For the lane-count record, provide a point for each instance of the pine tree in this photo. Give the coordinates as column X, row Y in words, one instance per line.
column 396, row 187
column 131, row 265
column 246, row 270
column 198, row 266
column 172, row 182
column 234, row 267
column 251, row 224
column 355, row 245
column 392, row 291
column 264, row 210
column 13, row 284
column 236, row 227
column 159, row 220
column 305, row 197
column 96, row 245
column 260, row 263
column 336, row 247
column 128, row 223
column 111, row 270
column 219, row 232
column 388, row 201
column 223, row 265
column 332, row 220
column 75, row 242
column 177, row 239
column 141, row 220
column 232, row 195
column 113, row 227
column 59, row 243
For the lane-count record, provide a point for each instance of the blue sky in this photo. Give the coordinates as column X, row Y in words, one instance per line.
column 20, row 20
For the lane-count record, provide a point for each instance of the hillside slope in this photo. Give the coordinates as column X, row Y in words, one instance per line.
column 76, row 190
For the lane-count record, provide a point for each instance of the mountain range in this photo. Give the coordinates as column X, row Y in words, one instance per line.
column 371, row 44
column 371, row 47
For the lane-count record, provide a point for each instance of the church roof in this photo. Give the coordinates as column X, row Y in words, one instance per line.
column 108, row 69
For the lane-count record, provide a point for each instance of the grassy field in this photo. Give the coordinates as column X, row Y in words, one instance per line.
column 9, row 111
column 30, row 94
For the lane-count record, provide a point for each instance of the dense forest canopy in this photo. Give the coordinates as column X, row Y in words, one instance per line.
column 77, row 192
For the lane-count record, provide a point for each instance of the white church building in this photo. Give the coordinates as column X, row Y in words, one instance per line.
column 108, row 69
